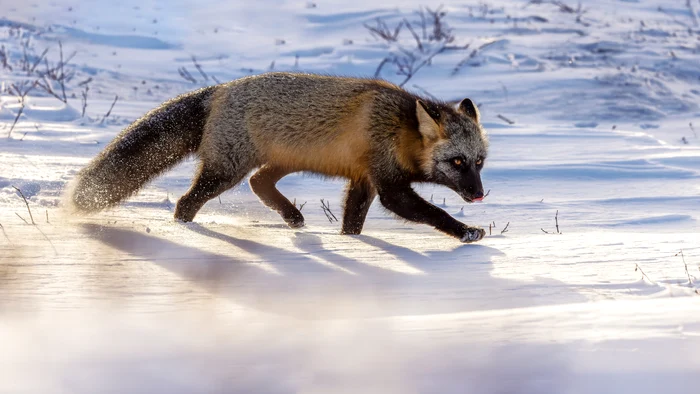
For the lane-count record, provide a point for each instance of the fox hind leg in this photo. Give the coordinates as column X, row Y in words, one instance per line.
column 263, row 184
column 358, row 198
column 208, row 184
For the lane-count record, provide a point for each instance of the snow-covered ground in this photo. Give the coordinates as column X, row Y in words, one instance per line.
column 605, row 100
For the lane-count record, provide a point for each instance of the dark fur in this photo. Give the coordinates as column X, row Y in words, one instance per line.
column 149, row 146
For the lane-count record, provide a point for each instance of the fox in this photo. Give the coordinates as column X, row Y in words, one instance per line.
column 379, row 137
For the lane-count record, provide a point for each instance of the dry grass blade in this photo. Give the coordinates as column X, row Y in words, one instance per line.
column 690, row 280
column 325, row 205
column 186, row 74
column 23, row 219
column 26, row 203
column 409, row 59
column 83, row 99
column 503, row 118
column 505, row 229
column 5, row 234
column 199, row 68
column 110, row 109
column 20, row 90
column 638, row 268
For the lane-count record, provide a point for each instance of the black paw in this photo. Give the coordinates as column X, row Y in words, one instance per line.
column 473, row 234
column 295, row 220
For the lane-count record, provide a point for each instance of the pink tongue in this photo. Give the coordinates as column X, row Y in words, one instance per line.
column 478, row 199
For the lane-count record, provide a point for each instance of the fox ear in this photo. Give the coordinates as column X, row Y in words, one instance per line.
column 468, row 108
column 427, row 121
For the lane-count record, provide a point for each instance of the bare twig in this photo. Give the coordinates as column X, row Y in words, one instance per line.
column 489, row 228
column 562, row 7
column 690, row 281
column 24, row 61
column 19, row 113
column 419, row 44
column 383, row 31
column 301, row 206
column 18, row 215
column 47, row 216
column 487, row 193
column 4, row 59
column 56, row 74
column 186, row 74
column 693, row 129
column 327, row 210
column 409, row 60
column 84, row 96
column 408, row 68
column 20, row 90
column 110, row 109
column 5, row 234
column 63, row 75
column 505, row 229
column 503, row 118
column 423, row 23
column 556, row 223
column 85, row 82
column 44, row 84
column 47, row 239
column 472, row 55
column 199, row 68
column 26, row 203
column 31, row 69
column 380, row 66
column 638, row 268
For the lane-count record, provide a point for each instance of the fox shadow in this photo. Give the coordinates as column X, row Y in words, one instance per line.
column 321, row 281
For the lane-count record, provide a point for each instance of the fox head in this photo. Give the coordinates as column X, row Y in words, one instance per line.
column 454, row 147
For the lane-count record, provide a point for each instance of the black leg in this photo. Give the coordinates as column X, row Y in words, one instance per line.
column 405, row 202
column 207, row 185
column 358, row 198
column 263, row 184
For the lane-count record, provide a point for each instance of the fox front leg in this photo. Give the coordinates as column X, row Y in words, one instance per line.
column 405, row 202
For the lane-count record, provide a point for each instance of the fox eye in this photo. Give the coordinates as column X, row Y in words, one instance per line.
column 479, row 162
column 457, row 161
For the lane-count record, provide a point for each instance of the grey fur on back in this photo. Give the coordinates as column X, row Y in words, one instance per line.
column 147, row 147
column 299, row 121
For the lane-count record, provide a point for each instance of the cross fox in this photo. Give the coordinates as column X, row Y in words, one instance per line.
column 371, row 132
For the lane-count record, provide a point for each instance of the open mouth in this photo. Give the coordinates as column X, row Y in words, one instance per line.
column 470, row 199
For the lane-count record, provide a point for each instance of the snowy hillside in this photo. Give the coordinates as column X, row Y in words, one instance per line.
column 587, row 282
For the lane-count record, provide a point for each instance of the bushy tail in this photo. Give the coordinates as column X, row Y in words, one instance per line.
column 149, row 146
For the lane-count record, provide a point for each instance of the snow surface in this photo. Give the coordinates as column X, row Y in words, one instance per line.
column 128, row 300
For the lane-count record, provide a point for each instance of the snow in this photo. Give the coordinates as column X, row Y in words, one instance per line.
column 128, row 300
